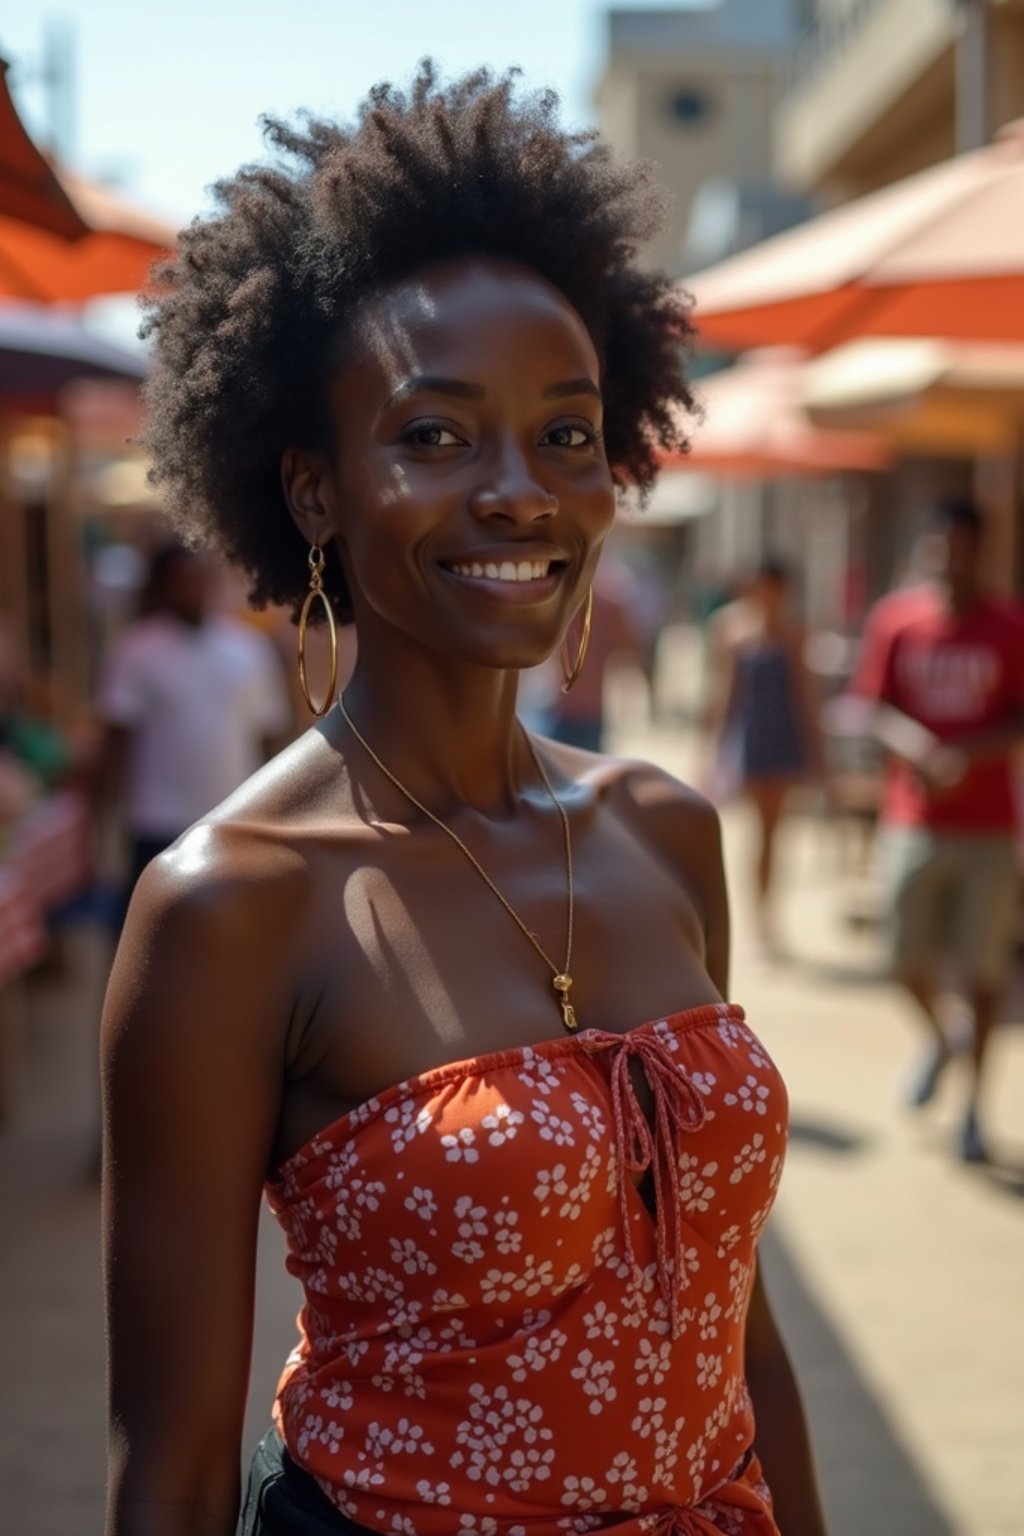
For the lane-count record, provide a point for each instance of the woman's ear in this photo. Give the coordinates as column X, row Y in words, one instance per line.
column 306, row 486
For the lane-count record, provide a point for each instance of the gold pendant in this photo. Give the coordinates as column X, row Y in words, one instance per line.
column 561, row 984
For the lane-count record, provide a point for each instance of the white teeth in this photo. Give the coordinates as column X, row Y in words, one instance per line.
column 508, row 570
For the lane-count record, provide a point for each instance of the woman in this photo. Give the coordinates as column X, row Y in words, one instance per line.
column 397, row 978
column 763, row 716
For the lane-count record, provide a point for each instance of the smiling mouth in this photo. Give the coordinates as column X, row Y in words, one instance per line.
column 512, row 571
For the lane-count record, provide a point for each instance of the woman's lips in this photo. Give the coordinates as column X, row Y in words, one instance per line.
column 522, row 580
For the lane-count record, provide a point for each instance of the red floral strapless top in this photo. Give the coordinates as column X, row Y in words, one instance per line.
column 498, row 1337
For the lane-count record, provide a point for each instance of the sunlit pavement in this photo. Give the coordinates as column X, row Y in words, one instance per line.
column 896, row 1272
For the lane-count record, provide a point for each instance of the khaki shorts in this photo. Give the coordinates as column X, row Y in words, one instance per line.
column 956, row 896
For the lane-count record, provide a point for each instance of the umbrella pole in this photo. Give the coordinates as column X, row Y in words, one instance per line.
column 972, row 75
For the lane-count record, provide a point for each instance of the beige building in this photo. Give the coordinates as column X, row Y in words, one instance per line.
column 695, row 90
column 880, row 88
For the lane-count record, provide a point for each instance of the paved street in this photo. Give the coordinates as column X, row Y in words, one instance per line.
column 896, row 1272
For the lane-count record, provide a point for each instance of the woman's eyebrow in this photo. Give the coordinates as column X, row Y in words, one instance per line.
column 433, row 384
column 582, row 386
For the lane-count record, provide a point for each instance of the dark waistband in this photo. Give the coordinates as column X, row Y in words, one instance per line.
column 283, row 1500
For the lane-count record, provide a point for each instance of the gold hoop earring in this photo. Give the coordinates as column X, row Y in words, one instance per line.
column 571, row 673
column 316, row 590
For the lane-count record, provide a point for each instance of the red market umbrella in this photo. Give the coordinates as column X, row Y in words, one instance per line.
column 754, row 427
column 940, row 253
column 30, row 191
column 115, row 256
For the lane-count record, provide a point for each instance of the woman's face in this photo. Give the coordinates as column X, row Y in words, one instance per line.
column 470, row 490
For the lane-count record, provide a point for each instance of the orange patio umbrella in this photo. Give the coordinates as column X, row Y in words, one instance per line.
column 63, row 239
column 754, row 427
column 922, row 396
column 115, row 255
column 29, row 189
column 940, row 253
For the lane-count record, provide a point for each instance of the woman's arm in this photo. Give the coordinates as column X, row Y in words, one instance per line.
column 782, row 1444
column 192, row 1062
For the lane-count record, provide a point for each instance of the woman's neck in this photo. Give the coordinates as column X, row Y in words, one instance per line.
column 448, row 733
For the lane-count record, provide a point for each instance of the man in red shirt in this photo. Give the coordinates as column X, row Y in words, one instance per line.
column 944, row 663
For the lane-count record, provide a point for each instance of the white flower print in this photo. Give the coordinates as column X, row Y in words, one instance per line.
column 759, row 1220
column 729, row 1238
column 583, row 1493
column 651, row 1416
column 472, row 1225
column 590, row 1116
column 748, row 1157
column 422, row 1203
column 536, row 1071
column 751, row 1095
column 496, row 1286
column 503, row 1124
column 730, row 1033
column 740, row 1277
column 405, row 1439
column 410, row 1258
column 433, row 1493
column 551, row 1126
column 707, row 1321
column 406, row 1122
column 551, row 1182
column 695, row 1188
column 506, row 1238
column 496, row 1421
column 460, row 1148
column 666, row 1450
column 339, row 1395
column 709, row 1369
column 622, row 1474
column 600, row 1322
column 653, row 1362
column 596, row 1376
column 539, row 1350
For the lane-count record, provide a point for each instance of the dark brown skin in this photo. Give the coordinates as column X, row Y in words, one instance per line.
column 316, row 939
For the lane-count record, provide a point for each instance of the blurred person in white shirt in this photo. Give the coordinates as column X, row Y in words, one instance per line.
column 192, row 702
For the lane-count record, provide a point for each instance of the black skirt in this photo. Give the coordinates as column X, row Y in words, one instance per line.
column 282, row 1500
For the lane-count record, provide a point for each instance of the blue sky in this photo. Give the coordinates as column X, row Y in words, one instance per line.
column 168, row 93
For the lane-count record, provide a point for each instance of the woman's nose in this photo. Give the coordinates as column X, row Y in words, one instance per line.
column 514, row 495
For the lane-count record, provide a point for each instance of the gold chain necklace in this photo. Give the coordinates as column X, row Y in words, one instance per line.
column 561, row 979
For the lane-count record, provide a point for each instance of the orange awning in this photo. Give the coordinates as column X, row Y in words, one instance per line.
column 114, row 257
column 940, row 253
column 29, row 189
column 754, row 427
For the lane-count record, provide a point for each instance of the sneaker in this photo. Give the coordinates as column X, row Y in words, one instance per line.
column 972, row 1148
column 926, row 1076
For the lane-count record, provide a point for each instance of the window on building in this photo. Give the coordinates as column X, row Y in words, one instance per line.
column 690, row 106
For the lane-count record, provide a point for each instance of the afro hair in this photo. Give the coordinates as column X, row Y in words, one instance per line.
column 252, row 314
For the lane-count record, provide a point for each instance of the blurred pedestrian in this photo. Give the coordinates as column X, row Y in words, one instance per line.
column 191, row 703
column 765, row 737
column 944, row 663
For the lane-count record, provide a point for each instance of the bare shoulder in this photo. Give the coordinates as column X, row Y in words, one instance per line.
column 677, row 822
column 671, row 816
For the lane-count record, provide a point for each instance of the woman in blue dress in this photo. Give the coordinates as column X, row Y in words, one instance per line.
column 765, row 724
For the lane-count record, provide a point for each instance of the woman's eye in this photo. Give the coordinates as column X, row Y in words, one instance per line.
column 431, row 434
column 571, row 435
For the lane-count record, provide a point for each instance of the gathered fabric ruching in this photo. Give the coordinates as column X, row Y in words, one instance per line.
column 678, row 1107
column 501, row 1336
